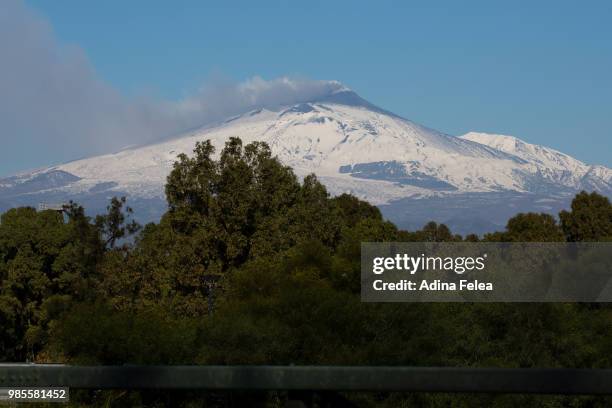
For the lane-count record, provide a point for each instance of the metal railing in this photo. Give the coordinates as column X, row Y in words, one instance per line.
column 311, row 378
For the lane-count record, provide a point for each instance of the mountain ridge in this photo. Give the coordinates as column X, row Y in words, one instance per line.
column 353, row 146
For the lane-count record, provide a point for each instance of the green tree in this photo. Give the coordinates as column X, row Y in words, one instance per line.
column 114, row 225
column 529, row 227
column 590, row 218
column 45, row 263
column 222, row 213
column 49, row 261
column 433, row 232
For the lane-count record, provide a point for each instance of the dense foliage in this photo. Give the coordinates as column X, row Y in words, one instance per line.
column 251, row 266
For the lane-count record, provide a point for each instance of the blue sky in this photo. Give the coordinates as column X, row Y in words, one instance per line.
column 537, row 70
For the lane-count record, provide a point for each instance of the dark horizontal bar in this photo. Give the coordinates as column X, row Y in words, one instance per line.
column 415, row 379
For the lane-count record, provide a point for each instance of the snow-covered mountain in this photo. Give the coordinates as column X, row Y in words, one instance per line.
column 414, row 173
column 550, row 165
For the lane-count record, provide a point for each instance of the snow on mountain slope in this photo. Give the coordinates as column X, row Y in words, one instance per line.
column 352, row 146
column 553, row 165
column 335, row 142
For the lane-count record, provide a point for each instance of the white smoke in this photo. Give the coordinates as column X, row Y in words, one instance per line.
column 216, row 100
column 54, row 107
